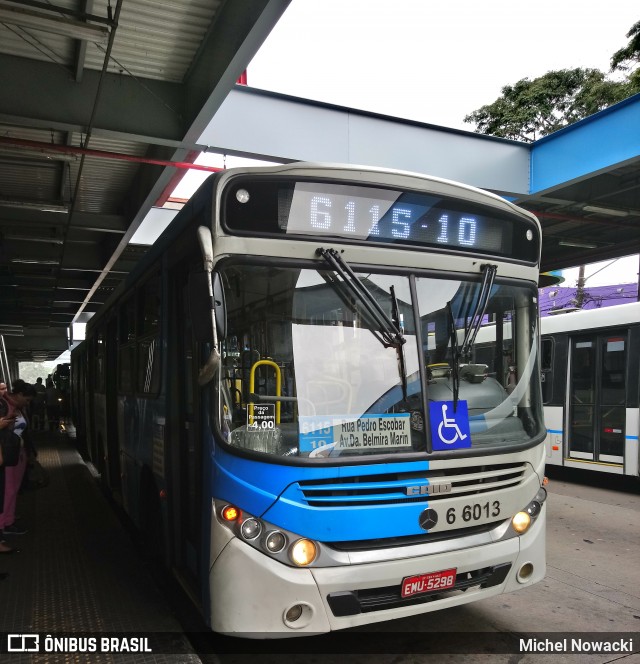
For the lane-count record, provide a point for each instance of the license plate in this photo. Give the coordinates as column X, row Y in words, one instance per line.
column 428, row 583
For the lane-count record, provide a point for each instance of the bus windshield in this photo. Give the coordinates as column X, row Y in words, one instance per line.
column 306, row 371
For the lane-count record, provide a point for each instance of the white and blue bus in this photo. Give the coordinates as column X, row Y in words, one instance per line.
column 284, row 399
column 590, row 368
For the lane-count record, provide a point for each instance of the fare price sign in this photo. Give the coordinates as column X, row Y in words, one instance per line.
column 261, row 417
column 367, row 432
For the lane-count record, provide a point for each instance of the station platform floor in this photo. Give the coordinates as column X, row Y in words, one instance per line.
column 78, row 573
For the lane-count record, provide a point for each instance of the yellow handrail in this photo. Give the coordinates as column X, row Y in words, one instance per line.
column 252, row 376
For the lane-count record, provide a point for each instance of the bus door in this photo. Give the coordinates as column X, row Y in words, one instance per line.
column 597, row 397
column 186, row 452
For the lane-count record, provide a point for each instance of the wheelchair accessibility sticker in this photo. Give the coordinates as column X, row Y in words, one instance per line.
column 449, row 429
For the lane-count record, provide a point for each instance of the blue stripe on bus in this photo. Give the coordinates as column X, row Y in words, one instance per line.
column 273, row 492
column 349, row 523
column 559, row 431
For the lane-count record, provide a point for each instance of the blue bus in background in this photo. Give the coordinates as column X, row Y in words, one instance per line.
column 284, row 396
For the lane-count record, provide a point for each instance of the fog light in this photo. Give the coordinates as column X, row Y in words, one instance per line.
column 521, row 522
column 293, row 613
column 298, row 616
column 303, row 552
column 525, row 572
column 250, row 528
column 275, row 541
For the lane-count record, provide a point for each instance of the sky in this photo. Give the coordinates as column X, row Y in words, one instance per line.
column 618, row 271
column 433, row 62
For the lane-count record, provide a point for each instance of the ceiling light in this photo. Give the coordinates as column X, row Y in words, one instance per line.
column 61, row 209
column 12, row 330
column 603, row 210
column 67, row 27
column 34, row 261
column 576, row 243
column 43, row 206
column 27, row 238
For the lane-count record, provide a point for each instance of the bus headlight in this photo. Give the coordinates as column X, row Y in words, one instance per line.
column 521, row 522
column 534, row 508
column 275, row 541
column 286, row 547
column 303, row 552
column 250, row 528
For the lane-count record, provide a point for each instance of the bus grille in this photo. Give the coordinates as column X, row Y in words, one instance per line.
column 411, row 540
column 349, row 603
column 387, row 489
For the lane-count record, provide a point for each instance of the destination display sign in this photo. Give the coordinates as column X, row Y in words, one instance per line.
column 375, row 214
column 319, row 435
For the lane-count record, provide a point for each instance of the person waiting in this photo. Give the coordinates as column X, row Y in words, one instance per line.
column 52, row 400
column 38, row 407
column 6, row 422
column 15, row 403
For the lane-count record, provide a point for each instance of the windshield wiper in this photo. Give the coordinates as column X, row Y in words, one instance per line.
column 396, row 318
column 389, row 333
column 471, row 330
column 489, row 275
column 386, row 330
column 455, row 356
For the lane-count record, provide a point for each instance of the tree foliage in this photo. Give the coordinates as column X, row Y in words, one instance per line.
column 627, row 59
column 530, row 109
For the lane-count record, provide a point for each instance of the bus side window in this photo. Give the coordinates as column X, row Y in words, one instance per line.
column 148, row 336
column 126, row 346
column 546, row 369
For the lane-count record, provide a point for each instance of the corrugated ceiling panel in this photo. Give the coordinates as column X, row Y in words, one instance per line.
column 105, row 181
column 102, row 189
column 113, row 145
column 30, row 174
column 155, row 39
column 29, row 181
column 30, row 134
column 36, row 45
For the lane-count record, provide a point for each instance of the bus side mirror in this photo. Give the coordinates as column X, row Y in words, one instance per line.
column 212, row 365
column 220, row 306
column 200, row 306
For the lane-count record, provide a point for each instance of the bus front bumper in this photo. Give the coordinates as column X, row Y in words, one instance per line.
column 253, row 596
